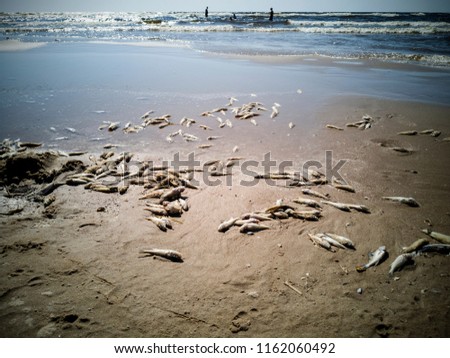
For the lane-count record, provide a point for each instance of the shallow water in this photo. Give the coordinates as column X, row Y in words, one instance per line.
column 79, row 85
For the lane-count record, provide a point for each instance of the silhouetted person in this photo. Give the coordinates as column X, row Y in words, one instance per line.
column 271, row 15
column 206, row 12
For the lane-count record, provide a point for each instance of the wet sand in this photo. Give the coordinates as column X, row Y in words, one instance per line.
column 73, row 268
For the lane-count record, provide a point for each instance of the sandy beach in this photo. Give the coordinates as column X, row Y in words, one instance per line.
column 71, row 261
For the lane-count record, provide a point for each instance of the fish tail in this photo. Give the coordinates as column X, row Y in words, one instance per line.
column 361, row 268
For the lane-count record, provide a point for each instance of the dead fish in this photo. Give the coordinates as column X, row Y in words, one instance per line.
column 319, row 241
column 274, row 112
column 342, row 240
column 71, row 130
column 226, row 225
column 156, row 209
column 427, row 131
column 407, row 133
column 155, row 193
column 344, row 187
column 162, row 224
column 173, row 208
column 202, row 126
column 400, row 262
column 147, row 114
column 204, row 146
column 235, row 149
column 315, row 193
column 291, row 125
column 253, row 122
column 257, row 216
column 416, row 245
column 443, row 239
column 109, row 146
column 308, row 202
column 438, row 248
column 312, row 215
column 279, row 207
column 331, row 126
column 407, row 201
column 29, row 145
column 172, row 194
column 113, row 126
column 184, row 204
column 402, row 150
column 253, row 228
column 339, row 206
column 167, row 254
column 435, row 134
column 213, row 137
column 332, row 241
column 360, row 208
column 189, row 137
column 228, row 123
column 374, row 259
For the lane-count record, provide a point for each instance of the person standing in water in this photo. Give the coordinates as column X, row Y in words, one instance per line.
column 206, row 12
column 271, row 15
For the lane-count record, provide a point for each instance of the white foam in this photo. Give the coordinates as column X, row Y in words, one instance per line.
column 16, row 45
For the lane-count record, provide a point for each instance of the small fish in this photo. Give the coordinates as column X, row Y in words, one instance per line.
column 427, row 131
column 443, row 239
column 61, row 138
column 416, row 245
column 172, row 194
column 71, row 130
column 291, row 125
column 342, row 240
column 235, row 149
column 314, row 193
column 228, row 123
column 202, row 126
column 402, row 150
column 226, row 225
column 318, row 240
column 344, row 187
column 167, row 254
column 162, row 224
column 332, row 241
column 435, row 134
column 53, row 129
column 374, row 259
column 438, row 248
column 213, row 137
column 190, row 137
column 252, row 228
column 113, row 126
column 400, row 262
column 204, row 146
column 147, row 114
column 407, row 133
column 308, row 202
column 331, row 126
column 400, row 199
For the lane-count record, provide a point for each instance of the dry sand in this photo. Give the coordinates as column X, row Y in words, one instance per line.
column 70, row 270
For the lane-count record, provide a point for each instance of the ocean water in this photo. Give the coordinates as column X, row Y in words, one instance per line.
column 422, row 38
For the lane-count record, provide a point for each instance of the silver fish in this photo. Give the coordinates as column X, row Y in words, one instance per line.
column 308, row 202
column 318, row 240
column 167, row 254
column 253, row 228
column 342, row 240
column 226, row 225
column 400, row 199
column 401, row 261
column 172, row 194
column 331, row 126
column 374, row 259
column 314, row 193
column 332, row 241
